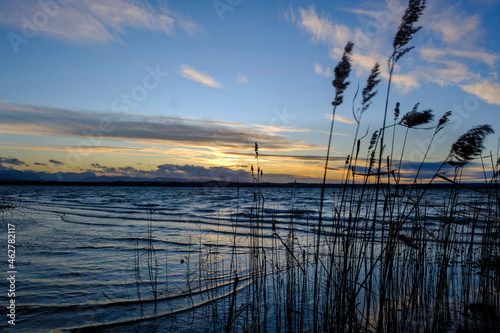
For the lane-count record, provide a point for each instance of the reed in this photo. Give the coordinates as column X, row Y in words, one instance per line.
column 384, row 256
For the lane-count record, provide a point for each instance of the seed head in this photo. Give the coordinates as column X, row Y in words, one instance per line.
column 407, row 29
column 469, row 145
column 342, row 71
column 369, row 91
column 442, row 122
column 396, row 111
column 415, row 118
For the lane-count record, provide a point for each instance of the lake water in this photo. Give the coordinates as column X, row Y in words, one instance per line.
column 92, row 256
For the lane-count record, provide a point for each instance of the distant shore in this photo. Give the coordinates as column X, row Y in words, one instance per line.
column 217, row 184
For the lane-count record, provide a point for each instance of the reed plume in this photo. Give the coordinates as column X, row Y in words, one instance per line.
column 403, row 36
column 416, row 118
column 407, row 29
column 369, row 91
column 468, row 146
column 340, row 83
column 396, row 111
column 442, row 122
column 342, row 71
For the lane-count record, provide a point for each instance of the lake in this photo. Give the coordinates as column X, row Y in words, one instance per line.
column 129, row 259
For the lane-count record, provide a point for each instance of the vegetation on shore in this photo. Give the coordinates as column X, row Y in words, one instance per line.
column 376, row 261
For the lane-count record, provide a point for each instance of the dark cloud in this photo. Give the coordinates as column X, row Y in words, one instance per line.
column 36, row 163
column 11, row 161
column 190, row 172
column 127, row 169
column 56, row 162
column 177, row 172
column 94, row 126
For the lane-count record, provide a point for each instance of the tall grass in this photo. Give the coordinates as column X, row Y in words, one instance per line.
column 384, row 257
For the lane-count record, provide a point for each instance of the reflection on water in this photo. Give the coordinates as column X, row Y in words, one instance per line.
column 101, row 255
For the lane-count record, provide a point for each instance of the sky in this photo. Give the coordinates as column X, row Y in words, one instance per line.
column 184, row 89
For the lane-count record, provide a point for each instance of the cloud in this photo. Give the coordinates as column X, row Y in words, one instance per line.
column 192, row 74
column 93, row 21
column 445, row 71
column 434, row 55
column 340, row 118
column 459, row 34
column 192, row 172
column 452, row 72
column 11, row 161
column 318, row 69
column 287, row 14
column 277, row 129
column 190, row 28
column 284, row 156
column 54, row 162
column 387, row 18
column 453, row 27
column 485, row 89
column 322, row 29
column 176, row 172
column 164, row 172
column 241, row 79
column 37, row 163
column 365, row 54
column 94, row 127
column 127, row 170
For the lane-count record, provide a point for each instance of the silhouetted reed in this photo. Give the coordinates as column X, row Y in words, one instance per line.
column 388, row 257
column 469, row 146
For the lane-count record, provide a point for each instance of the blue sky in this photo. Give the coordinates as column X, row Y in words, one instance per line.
column 123, row 87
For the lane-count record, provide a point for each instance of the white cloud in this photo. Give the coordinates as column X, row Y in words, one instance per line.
column 432, row 54
column 277, row 129
column 453, row 73
column 192, row 74
column 365, row 62
column 486, row 90
column 322, row 29
column 340, row 118
column 405, row 82
column 241, row 79
column 453, row 27
column 458, row 32
column 190, row 28
column 93, row 21
column 318, row 69
column 380, row 19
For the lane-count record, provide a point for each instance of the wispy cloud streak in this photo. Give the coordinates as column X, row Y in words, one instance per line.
column 192, row 74
column 93, row 21
column 164, row 130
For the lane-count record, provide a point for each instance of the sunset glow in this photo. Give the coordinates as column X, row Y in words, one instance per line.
column 123, row 88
